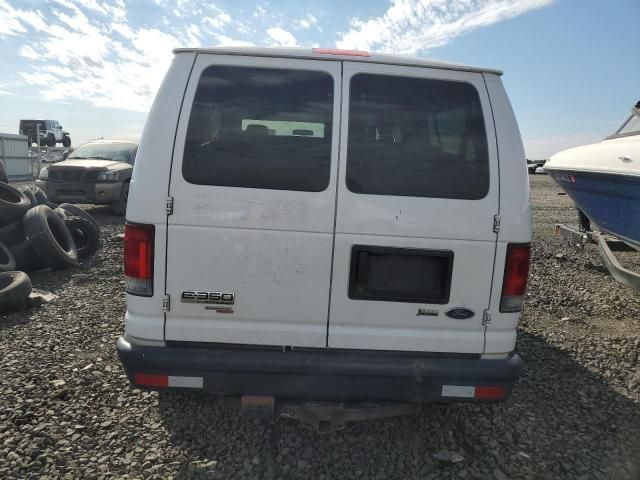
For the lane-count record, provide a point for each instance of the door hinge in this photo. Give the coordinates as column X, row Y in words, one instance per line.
column 169, row 206
column 486, row 318
column 166, row 303
column 496, row 223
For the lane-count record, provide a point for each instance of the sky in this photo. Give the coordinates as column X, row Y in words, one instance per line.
column 571, row 67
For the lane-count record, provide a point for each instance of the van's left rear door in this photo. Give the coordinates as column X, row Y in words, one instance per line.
column 254, row 183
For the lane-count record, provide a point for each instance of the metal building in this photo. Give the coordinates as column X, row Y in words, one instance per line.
column 14, row 152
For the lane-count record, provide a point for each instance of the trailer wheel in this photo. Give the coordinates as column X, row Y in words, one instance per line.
column 585, row 223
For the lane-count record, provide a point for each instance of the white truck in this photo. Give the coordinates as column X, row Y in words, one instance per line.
column 45, row 132
column 326, row 224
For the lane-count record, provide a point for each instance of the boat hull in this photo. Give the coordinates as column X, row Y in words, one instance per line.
column 610, row 200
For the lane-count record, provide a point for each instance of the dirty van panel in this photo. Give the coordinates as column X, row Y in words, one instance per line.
column 414, row 245
column 253, row 181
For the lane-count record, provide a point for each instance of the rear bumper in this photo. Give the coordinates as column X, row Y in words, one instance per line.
column 322, row 374
column 70, row 192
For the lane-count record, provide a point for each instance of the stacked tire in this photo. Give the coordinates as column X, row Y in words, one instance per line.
column 36, row 234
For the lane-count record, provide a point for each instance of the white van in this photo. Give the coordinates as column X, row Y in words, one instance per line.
column 327, row 224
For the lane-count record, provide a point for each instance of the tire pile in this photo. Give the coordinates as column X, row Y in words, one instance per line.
column 37, row 234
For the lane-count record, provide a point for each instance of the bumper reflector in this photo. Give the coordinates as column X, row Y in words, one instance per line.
column 164, row 381
column 481, row 392
column 151, row 380
column 490, row 393
column 458, row 391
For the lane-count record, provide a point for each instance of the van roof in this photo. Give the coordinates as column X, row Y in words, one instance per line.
column 337, row 54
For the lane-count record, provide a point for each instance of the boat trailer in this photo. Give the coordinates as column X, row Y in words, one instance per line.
column 607, row 244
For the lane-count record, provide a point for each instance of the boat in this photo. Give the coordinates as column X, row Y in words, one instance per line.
column 603, row 180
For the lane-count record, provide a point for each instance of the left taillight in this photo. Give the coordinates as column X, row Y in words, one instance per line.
column 516, row 273
column 138, row 259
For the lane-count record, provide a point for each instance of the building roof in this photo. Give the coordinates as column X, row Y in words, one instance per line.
column 323, row 54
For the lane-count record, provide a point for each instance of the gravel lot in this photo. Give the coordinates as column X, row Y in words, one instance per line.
column 66, row 410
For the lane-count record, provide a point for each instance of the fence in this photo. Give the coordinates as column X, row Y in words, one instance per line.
column 14, row 153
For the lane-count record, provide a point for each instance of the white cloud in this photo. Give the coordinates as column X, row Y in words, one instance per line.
column 88, row 51
column 411, row 26
column 27, row 51
column 13, row 20
column 3, row 91
column 281, row 38
column 219, row 21
column 224, row 41
column 82, row 59
column 307, row 22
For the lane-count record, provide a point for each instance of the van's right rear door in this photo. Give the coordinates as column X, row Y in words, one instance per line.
column 417, row 194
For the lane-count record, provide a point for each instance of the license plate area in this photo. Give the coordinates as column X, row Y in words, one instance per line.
column 400, row 274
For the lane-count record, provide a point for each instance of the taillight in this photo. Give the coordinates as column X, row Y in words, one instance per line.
column 516, row 272
column 138, row 259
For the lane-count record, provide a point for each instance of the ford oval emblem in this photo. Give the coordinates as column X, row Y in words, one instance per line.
column 459, row 313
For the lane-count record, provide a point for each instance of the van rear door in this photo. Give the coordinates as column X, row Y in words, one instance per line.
column 253, row 182
column 418, row 191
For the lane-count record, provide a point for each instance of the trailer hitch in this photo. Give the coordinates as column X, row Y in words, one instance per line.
column 331, row 417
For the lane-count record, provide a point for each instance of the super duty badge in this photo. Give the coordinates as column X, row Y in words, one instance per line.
column 215, row 298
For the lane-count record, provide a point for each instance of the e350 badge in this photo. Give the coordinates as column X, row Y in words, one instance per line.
column 218, row 301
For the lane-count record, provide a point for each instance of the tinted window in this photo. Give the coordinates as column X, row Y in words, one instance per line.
column 416, row 137
column 260, row 128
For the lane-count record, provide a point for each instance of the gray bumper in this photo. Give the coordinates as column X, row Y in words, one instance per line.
column 320, row 373
column 97, row 193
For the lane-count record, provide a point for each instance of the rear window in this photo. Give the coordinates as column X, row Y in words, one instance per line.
column 260, row 128
column 416, row 137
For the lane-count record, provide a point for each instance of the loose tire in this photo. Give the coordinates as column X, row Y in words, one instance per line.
column 15, row 288
column 7, row 261
column 120, row 207
column 3, row 173
column 51, row 205
column 13, row 204
column 38, row 193
column 50, row 238
column 12, row 234
column 25, row 257
column 32, row 198
column 85, row 235
column 75, row 211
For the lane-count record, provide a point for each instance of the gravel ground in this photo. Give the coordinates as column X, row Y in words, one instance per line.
column 66, row 410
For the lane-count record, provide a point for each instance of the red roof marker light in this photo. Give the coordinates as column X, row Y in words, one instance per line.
column 339, row 51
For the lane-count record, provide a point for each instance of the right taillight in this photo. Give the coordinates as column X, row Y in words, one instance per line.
column 516, row 272
column 138, row 259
